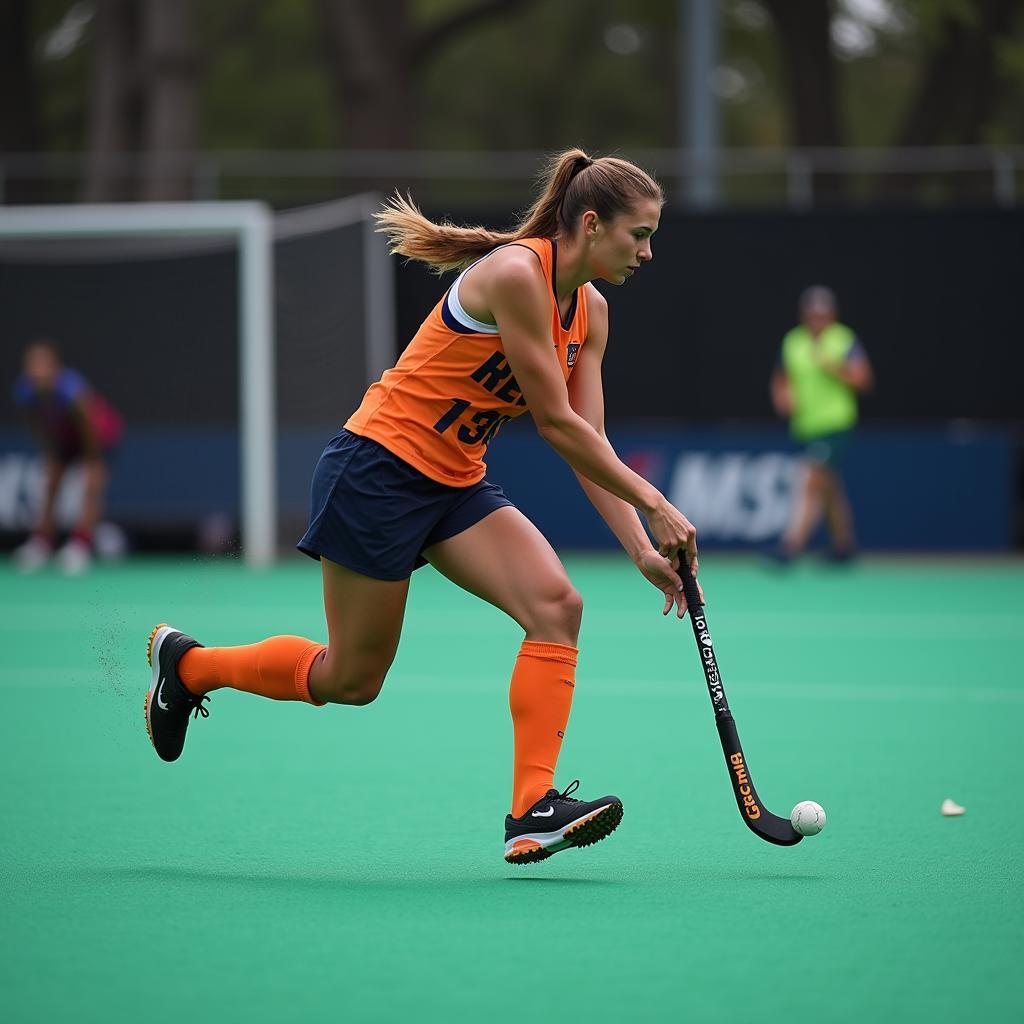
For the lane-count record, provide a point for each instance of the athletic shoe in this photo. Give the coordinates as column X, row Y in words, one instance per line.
column 33, row 554
column 169, row 703
column 74, row 557
column 558, row 821
column 781, row 556
column 841, row 556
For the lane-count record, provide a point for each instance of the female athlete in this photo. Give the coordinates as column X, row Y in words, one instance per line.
column 403, row 484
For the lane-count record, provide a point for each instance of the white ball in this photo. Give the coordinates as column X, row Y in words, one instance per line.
column 808, row 818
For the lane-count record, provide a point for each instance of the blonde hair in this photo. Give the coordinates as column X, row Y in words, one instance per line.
column 571, row 183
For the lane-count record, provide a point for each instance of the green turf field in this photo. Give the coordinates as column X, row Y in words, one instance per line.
column 345, row 864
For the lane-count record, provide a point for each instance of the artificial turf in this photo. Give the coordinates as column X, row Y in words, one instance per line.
column 345, row 863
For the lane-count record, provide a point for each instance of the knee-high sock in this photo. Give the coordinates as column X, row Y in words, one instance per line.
column 540, row 698
column 277, row 668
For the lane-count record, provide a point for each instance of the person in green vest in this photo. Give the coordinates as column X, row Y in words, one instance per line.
column 822, row 368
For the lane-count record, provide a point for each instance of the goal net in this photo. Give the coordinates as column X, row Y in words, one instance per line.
column 233, row 341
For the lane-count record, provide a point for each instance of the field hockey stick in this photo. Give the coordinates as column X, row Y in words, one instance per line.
column 758, row 818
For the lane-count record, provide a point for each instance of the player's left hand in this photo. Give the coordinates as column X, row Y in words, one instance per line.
column 658, row 570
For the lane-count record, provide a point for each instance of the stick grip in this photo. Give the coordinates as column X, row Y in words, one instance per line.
column 705, row 645
column 690, row 591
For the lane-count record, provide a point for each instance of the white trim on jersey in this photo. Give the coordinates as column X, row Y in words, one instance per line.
column 456, row 310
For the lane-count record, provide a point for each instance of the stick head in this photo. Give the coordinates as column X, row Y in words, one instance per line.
column 773, row 829
column 769, row 827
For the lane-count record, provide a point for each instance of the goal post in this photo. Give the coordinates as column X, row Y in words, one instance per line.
column 261, row 239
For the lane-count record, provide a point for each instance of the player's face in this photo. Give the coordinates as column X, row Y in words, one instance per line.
column 41, row 367
column 623, row 244
column 817, row 318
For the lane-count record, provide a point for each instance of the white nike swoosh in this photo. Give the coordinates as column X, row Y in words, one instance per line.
column 543, row 814
column 161, row 705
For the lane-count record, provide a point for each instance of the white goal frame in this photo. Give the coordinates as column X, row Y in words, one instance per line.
column 254, row 227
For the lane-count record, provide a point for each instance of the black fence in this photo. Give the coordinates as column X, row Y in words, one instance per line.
column 933, row 295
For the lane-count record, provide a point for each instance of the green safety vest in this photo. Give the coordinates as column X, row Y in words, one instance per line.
column 821, row 404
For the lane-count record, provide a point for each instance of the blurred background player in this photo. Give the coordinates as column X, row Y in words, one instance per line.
column 74, row 425
column 821, row 370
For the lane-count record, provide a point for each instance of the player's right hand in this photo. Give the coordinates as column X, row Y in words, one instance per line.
column 673, row 531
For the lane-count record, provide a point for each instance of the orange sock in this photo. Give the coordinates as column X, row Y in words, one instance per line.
column 540, row 698
column 277, row 668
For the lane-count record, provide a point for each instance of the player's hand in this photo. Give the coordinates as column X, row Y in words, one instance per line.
column 657, row 569
column 673, row 531
column 783, row 406
column 827, row 363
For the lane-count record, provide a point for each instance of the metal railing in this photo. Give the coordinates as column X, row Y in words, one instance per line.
column 780, row 177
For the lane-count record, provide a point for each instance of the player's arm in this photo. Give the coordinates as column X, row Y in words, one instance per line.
column 782, row 394
column 87, row 434
column 516, row 294
column 44, row 439
column 854, row 370
column 35, row 424
column 586, row 396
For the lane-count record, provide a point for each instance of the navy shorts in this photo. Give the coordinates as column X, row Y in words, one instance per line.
column 374, row 514
column 829, row 449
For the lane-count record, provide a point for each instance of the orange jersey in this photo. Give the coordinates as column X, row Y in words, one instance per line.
column 453, row 388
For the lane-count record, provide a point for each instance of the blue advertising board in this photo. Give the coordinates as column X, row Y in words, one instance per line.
column 911, row 489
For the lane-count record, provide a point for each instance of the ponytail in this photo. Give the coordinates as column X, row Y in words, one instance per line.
column 571, row 184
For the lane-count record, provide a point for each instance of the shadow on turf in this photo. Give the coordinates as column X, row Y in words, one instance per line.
column 279, row 879
column 563, row 881
column 271, row 879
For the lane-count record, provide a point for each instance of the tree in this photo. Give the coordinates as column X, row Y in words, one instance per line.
column 143, row 100
column 170, row 72
column 954, row 90
column 147, row 77
column 959, row 86
column 19, row 110
column 114, row 107
column 374, row 52
column 804, row 28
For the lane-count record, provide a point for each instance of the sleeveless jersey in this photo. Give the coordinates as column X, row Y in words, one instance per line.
column 821, row 404
column 453, row 388
column 56, row 413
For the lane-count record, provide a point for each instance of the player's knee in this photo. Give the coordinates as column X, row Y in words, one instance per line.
column 558, row 616
column 357, row 687
column 361, row 695
column 572, row 609
column 816, row 479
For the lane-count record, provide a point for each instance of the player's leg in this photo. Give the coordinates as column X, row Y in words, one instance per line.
column 36, row 551
column 53, row 475
column 508, row 562
column 76, row 554
column 96, row 478
column 839, row 515
column 368, row 523
column 504, row 559
column 364, row 622
column 807, row 508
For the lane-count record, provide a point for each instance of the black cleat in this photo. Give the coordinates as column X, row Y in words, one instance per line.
column 558, row 821
column 168, row 703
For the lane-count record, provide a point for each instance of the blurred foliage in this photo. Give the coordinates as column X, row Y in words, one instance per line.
column 544, row 74
column 597, row 72
column 62, row 77
column 265, row 87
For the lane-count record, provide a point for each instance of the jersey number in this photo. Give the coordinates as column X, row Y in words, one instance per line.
column 488, row 423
